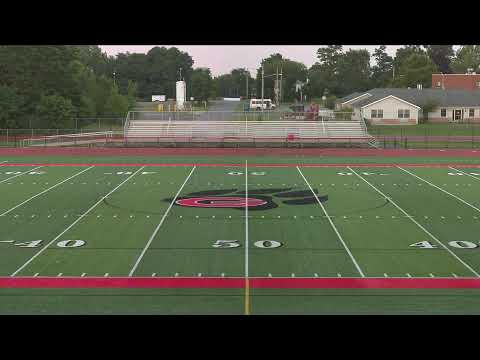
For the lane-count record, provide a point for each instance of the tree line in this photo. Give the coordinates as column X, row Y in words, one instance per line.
column 48, row 86
column 336, row 72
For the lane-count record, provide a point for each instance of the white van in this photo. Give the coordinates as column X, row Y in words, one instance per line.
column 256, row 104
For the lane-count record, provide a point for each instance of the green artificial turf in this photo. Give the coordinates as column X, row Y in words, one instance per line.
column 58, row 221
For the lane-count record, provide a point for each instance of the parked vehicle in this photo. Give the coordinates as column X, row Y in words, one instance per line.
column 256, row 104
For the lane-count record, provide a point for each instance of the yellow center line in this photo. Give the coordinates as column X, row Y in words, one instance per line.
column 247, row 296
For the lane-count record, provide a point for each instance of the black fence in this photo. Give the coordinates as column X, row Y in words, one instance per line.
column 427, row 136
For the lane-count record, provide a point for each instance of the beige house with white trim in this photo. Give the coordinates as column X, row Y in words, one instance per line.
column 404, row 106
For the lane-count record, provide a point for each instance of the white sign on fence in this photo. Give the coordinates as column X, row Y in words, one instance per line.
column 158, row 98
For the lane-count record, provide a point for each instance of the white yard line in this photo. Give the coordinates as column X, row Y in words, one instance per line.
column 439, row 188
column 333, row 225
column 140, row 257
column 246, row 220
column 75, row 222
column 416, row 223
column 11, row 177
column 463, row 172
column 44, row 191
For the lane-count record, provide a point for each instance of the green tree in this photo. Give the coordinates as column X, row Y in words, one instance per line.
column 441, row 56
column 132, row 67
column 416, row 69
column 234, row 84
column 403, row 53
column 329, row 56
column 116, row 104
column 293, row 71
column 319, row 82
column 132, row 90
column 164, row 69
column 323, row 75
column 55, row 111
column 354, row 71
column 201, row 84
column 382, row 70
column 467, row 57
column 11, row 105
column 94, row 58
column 155, row 72
column 37, row 70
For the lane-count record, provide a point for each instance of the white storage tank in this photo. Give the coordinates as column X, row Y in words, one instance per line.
column 181, row 94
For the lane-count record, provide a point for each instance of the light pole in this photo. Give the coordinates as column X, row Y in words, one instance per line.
column 113, row 77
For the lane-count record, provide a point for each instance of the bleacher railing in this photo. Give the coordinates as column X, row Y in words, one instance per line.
column 68, row 139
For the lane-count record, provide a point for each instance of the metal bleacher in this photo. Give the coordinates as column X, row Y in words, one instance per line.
column 262, row 131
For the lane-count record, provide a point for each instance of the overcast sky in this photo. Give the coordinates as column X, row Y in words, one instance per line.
column 222, row 59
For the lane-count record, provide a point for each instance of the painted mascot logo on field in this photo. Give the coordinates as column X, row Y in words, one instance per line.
column 259, row 199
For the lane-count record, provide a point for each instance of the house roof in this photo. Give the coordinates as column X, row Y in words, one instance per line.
column 394, row 97
column 349, row 97
column 421, row 97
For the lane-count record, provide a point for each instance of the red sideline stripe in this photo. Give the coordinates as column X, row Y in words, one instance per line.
column 362, row 283
column 121, row 283
column 238, row 283
column 439, row 165
column 69, row 151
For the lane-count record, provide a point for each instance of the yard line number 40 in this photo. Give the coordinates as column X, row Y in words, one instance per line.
column 455, row 244
column 37, row 243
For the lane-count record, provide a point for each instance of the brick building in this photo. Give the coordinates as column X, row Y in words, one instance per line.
column 456, row 81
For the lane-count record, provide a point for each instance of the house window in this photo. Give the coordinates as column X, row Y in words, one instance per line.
column 478, row 84
column 443, row 112
column 439, row 84
column 376, row 114
column 471, row 112
column 404, row 114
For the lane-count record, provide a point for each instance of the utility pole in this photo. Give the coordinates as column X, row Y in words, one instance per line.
column 277, row 88
column 246, row 93
column 263, row 73
column 281, row 83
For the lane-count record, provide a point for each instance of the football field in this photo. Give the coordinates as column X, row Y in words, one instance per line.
column 239, row 236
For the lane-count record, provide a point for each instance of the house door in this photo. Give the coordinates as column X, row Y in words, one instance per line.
column 457, row 115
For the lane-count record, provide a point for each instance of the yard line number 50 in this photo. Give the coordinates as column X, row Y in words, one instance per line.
column 263, row 244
